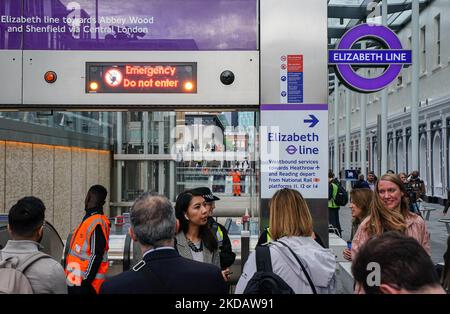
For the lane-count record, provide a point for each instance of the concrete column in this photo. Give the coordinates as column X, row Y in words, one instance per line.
column 415, row 30
column 405, row 150
column 145, row 142
column 161, row 177
column 371, row 161
column 172, row 163
column 336, row 125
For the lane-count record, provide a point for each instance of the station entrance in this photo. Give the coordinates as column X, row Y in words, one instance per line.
column 164, row 97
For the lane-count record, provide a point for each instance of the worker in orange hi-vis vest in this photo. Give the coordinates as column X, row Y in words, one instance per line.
column 236, row 175
column 87, row 259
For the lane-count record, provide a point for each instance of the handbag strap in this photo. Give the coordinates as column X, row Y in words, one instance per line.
column 313, row 288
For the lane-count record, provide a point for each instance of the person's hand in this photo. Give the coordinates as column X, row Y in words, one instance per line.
column 347, row 254
column 226, row 274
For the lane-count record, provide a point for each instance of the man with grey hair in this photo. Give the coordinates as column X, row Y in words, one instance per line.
column 162, row 269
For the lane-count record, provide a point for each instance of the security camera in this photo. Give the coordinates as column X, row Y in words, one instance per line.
column 227, row 77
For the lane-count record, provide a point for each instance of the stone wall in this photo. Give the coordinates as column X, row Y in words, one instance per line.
column 58, row 175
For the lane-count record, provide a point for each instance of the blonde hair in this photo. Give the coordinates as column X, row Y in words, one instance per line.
column 383, row 219
column 289, row 215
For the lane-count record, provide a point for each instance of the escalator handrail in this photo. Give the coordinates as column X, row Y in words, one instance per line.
column 66, row 249
column 56, row 232
column 127, row 253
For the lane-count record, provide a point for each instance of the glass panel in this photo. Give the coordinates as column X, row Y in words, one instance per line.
column 130, row 153
column 169, row 152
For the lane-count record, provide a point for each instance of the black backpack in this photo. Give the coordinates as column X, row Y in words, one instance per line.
column 341, row 198
column 265, row 281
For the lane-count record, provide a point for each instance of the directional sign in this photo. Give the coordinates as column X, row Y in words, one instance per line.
column 294, row 149
column 313, row 121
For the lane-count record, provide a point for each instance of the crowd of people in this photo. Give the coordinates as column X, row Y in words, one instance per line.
column 186, row 251
column 385, row 214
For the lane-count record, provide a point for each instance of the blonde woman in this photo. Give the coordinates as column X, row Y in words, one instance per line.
column 389, row 211
column 291, row 224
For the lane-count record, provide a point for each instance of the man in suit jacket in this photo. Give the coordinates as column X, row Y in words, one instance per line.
column 162, row 270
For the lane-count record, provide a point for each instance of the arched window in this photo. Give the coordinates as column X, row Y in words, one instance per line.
column 391, row 157
column 423, row 158
column 375, row 158
column 409, row 167
column 400, row 156
column 437, row 166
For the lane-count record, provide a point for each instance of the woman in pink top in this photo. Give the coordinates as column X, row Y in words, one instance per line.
column 389, row 212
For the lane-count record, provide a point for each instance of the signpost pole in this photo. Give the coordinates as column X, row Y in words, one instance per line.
column 363, row 120
column 384, row 107
column 336, row 125
column 415, row 86
column 347, row 134
column 378, row 144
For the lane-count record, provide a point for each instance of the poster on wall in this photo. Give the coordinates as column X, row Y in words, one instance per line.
column 291, row 79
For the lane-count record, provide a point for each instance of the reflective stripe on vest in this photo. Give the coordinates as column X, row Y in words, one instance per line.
column 219, row 235
column 268, row 235
column 78, row 257
column 331, row 203
column 76, row 271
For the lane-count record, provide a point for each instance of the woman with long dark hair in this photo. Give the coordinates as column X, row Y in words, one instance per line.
column 360, row 200
column 195, row 240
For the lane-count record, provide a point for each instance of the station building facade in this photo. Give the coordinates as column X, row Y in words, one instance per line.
column 434, row 111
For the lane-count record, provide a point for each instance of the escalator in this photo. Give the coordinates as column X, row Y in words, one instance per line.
column 51, row 241
column 122, row 253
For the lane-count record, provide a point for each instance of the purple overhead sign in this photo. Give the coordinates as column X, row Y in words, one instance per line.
column 128, row 25
column 394, row 57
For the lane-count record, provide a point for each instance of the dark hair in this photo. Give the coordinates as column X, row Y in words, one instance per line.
column 181, row 207
column 361, row 198
column 402, row 261
column 26, row 216
column 99, row 193
column 330, row 174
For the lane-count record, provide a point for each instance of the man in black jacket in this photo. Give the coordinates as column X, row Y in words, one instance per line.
column 162, row 269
